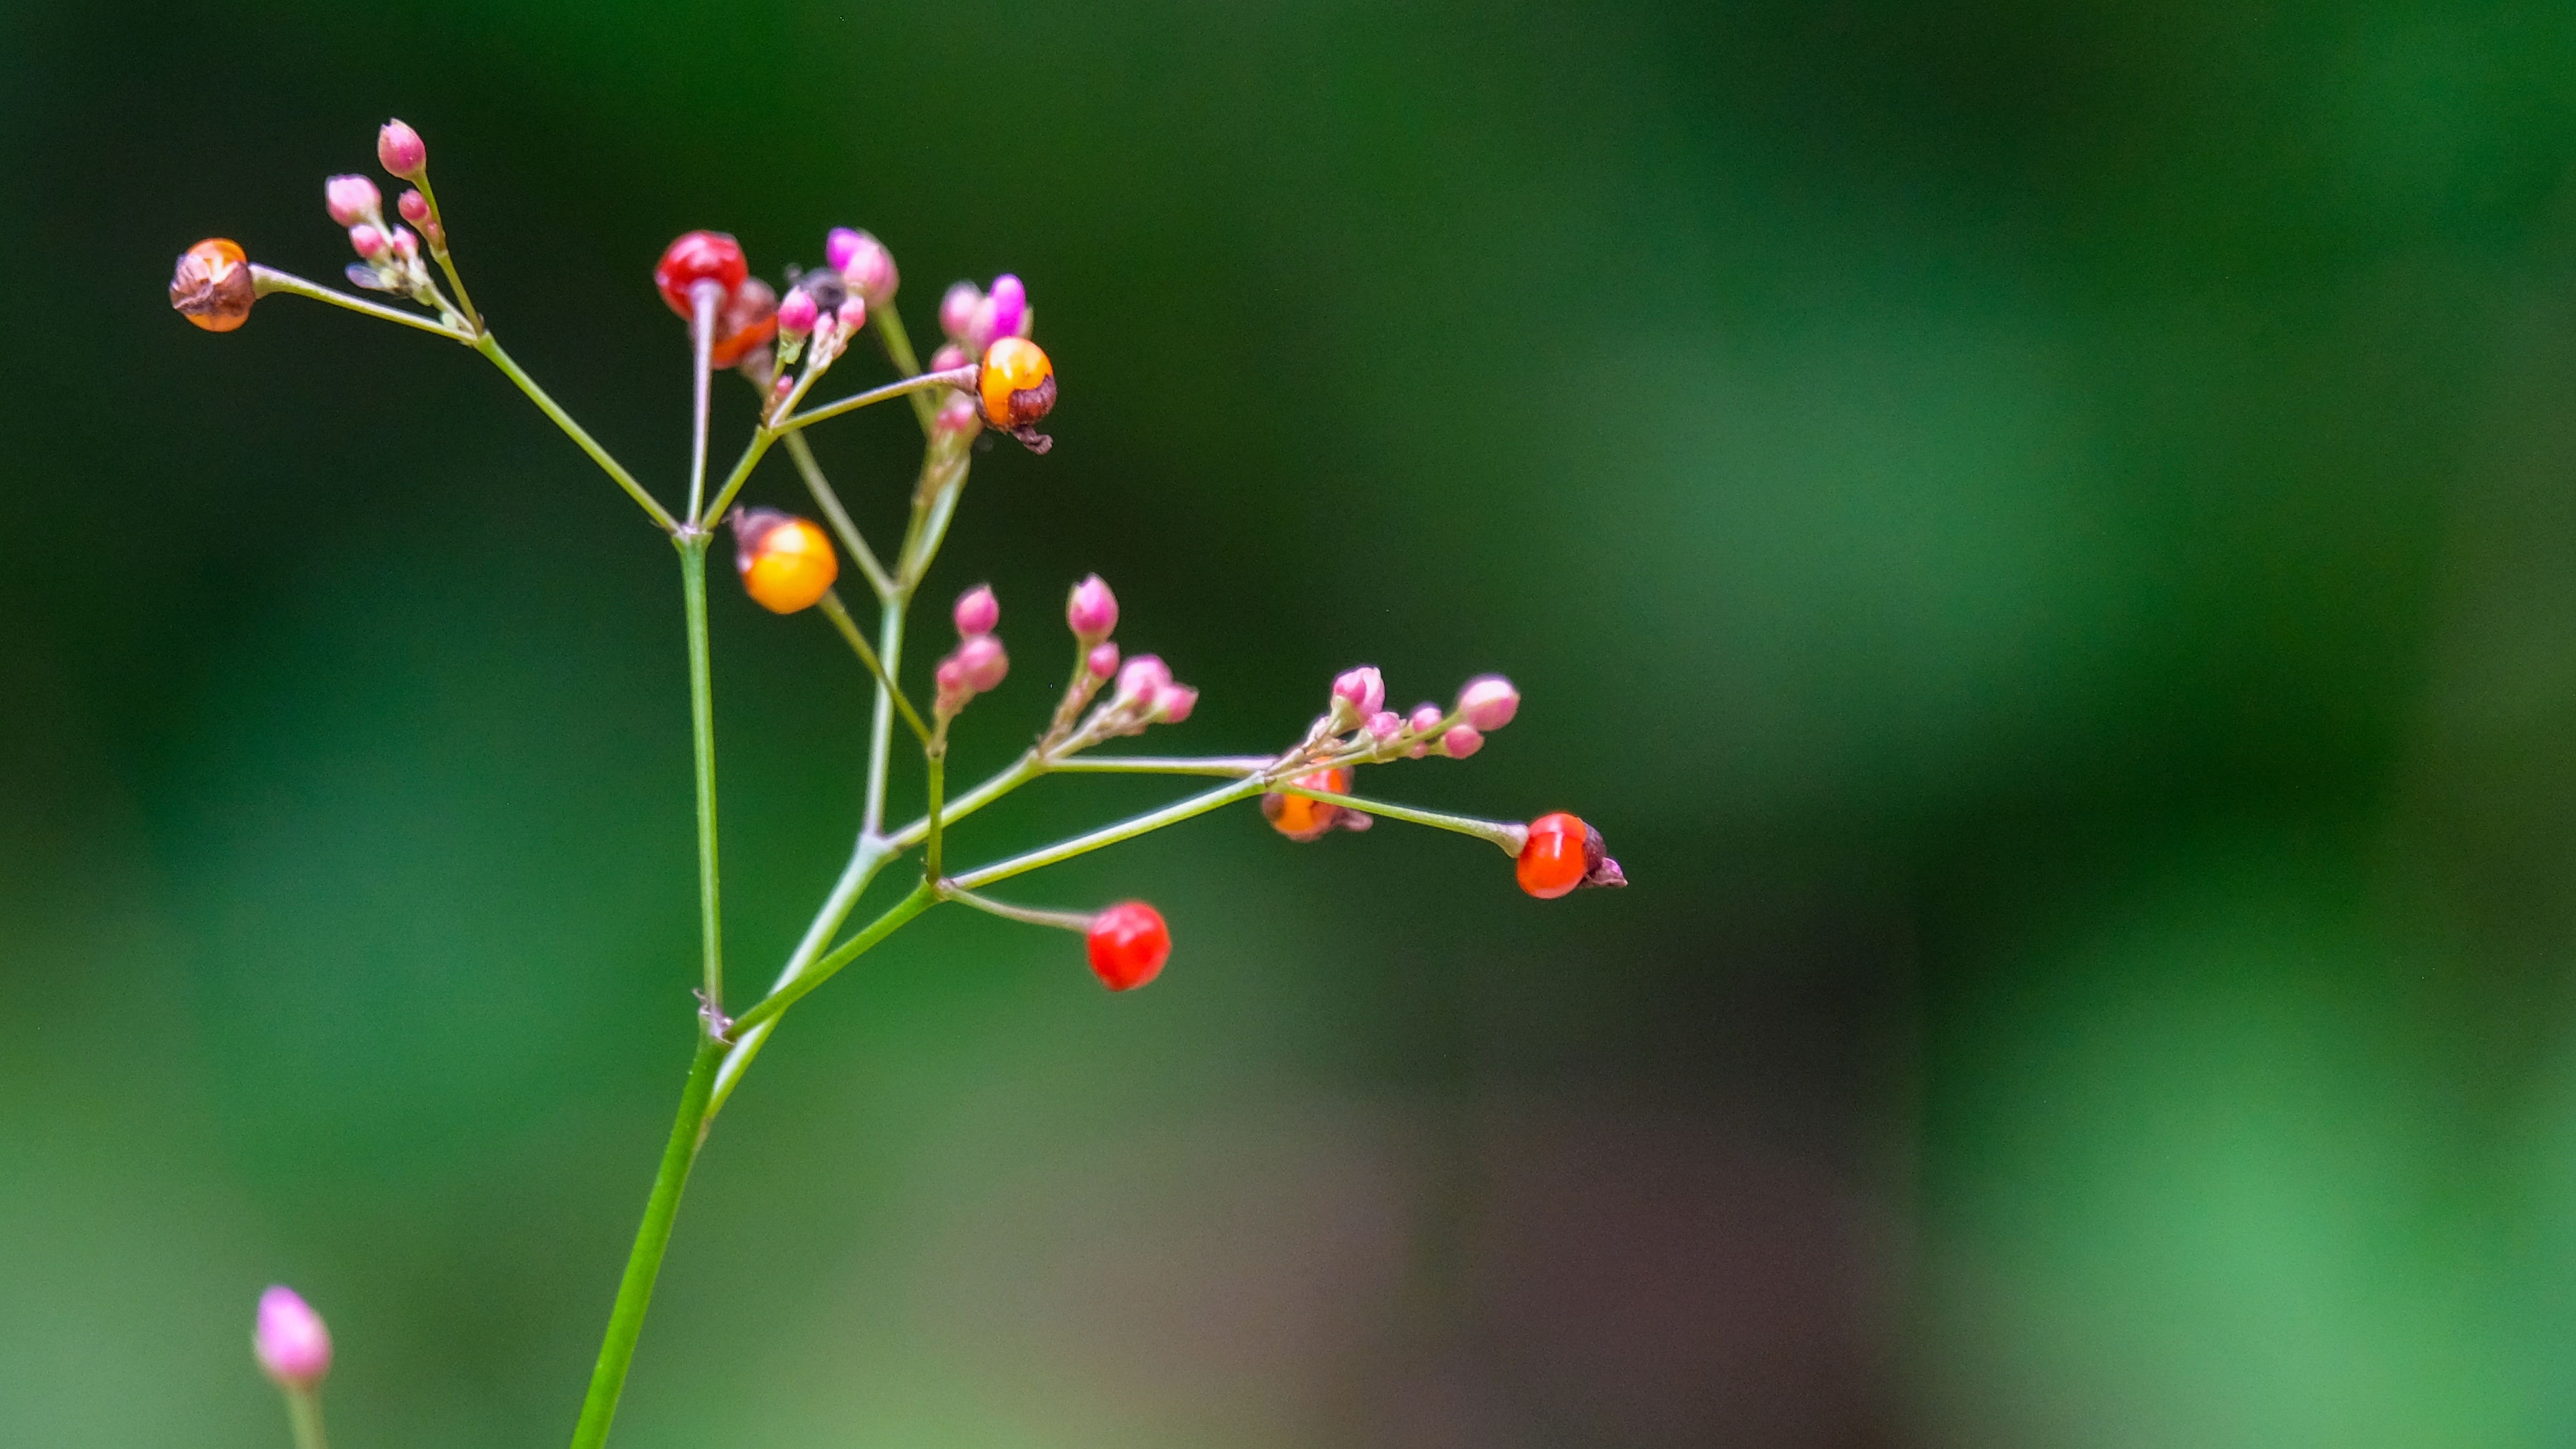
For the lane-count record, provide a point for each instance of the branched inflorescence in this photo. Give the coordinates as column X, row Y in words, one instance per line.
column 986, row 376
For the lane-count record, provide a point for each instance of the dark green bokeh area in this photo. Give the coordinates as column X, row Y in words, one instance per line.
column 2046, row 535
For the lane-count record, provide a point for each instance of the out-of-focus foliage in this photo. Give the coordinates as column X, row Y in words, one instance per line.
column 2046, row 534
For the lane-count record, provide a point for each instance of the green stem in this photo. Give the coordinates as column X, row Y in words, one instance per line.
column 951, row 377
column 935, row 764
column 830, row 503
column 264, row 280
column 870, row 856
column 761, row 438
column 1171, row 814
column 304, row 1416
column 922, row 898
column 1503, row 834
column 644, row 1261
column 881, row 723
column 1061, row 920
column 702, row 736
column 1028, row 767
column 898, row 346
column 490, row 347
column 849, row 627
column 1229, row 765
column 464, row 303
column 705, row 297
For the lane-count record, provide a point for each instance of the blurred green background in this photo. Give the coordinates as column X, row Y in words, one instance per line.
column 2046, row 536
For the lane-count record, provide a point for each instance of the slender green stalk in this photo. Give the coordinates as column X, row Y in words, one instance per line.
column 830, row 503
column 304, row 1417
column 265, row 280
column 705, row 297
column 951, row 377
column 1171, row 814
column 881, row 723
column 490, row 347
column 702, row 735
column 464, row 303
column 761, row 438
column 1506, row 835
column 849, row 627
column 870, row 856
column 898, row 346
column 776, row 1003
column 644, row 1260
column 1229, row 765
column 1062, row 920
column 935, row 764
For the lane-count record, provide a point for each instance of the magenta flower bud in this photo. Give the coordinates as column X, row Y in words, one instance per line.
column 1102, row 661
column 958, row 415
column 367, row 241
column 853, row 313
column 865, row 265
column 982, row 663
column 1426, row 718
column 839, row 245
column 1010, row 302
column 1363, row 689
column 413, row 206
column 957, row 309
column 1386, row 724
column 294, row 1347
column 1143, row 677
column 797, row 313
column 977, row 612
column 400, row 150
column 406, row 245
column 1461, row 741
column 351, row 199
column 1091, row 611
column 1173, row 703
column 1489, row 702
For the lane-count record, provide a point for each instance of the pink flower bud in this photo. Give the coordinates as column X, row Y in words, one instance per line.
column 367, row 241
column 1091, row 611
column 977, row 612
column 780, row 387
column 958, row 415
column 1426, row 718
column 864, row 264
column 1010, row 302
column 1489, row 702
column 413, row 206
column 351, row 199
column 1102, row 661
column 400, row 150
column 982, row 663
column 1173, row 703
column 1461, row 741
column 797, row 313
column 853, row 313
column 293, row 1346
column 957, row 309
column 406, row 245
column 1363, row 689
column 1143, row 677
column 1386, row 724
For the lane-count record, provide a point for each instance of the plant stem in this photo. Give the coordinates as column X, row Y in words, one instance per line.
column 264, row 280
column 830, row 503
column 304, row 1417
column 644, row 1261
column 702, row 736
column 922, row 898
column 490, row 347
column 951, row 377
column 881, row 723
column 1229, row 765
column 934, row 763
column 1021, row 771
column 1506, row 835
column 705, row 297
column 898, row 346
column 870, row 855
column 761, row 438
column 464, row 303
column 849, row 627
column 1171, row 814
column 1061, row 920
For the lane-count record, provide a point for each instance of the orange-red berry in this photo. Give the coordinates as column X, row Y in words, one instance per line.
column 786, row 562
column 1299, row 818
column 1129, row 944
column 699, row 256
column 211, row 285
column 748, row 319
column 1561, row 854
column 1016, row 385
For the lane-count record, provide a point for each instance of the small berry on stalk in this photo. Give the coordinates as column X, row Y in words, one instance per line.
column 293, row 1345
column 1301, row 819
column 1129, row 944
column 1017, row 387
column 1561, row 854
column 400, row 150
column 351, row 199
column 786, row 561
column 698, row 256
column 211, row 286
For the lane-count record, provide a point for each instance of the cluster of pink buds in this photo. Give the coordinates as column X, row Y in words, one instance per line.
column 978, row 664
column 831, row 304
column 975, row 319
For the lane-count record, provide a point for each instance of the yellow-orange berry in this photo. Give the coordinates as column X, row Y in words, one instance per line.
column 1016, row 385
column 786, row 562
column 1300, row 818
column 212, row 287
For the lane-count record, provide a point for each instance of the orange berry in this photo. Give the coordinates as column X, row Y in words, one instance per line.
column 1561, row 853
column 786, row 562
column 1016, row 385
column 212, row 287
column 1302, row 819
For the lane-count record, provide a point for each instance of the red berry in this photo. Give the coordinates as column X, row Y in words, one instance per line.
column 1562, row 851
column 1129, row 944
column 700, row 256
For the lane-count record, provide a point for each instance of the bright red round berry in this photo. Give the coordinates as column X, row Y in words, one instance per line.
column 1561, row 852
column 700, row 256
column 1129, row 944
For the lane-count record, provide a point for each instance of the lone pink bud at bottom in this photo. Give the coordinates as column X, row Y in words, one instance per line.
column 977, row 612
column 1489, row 702
column 1091, row 611
column 400, row 150
column 293, row 1346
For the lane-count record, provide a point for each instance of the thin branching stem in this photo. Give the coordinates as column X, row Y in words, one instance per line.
column 1062, row 920
column 1231, row 765
column 704, row 297
column 702, row 737
column 1172, row 814
column 841, row 620
column 824, row 968
column 1509, row 836
column 830, row 502
column 490, row 347
column 464, row 304
column 949, row 377
column 264, row 280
